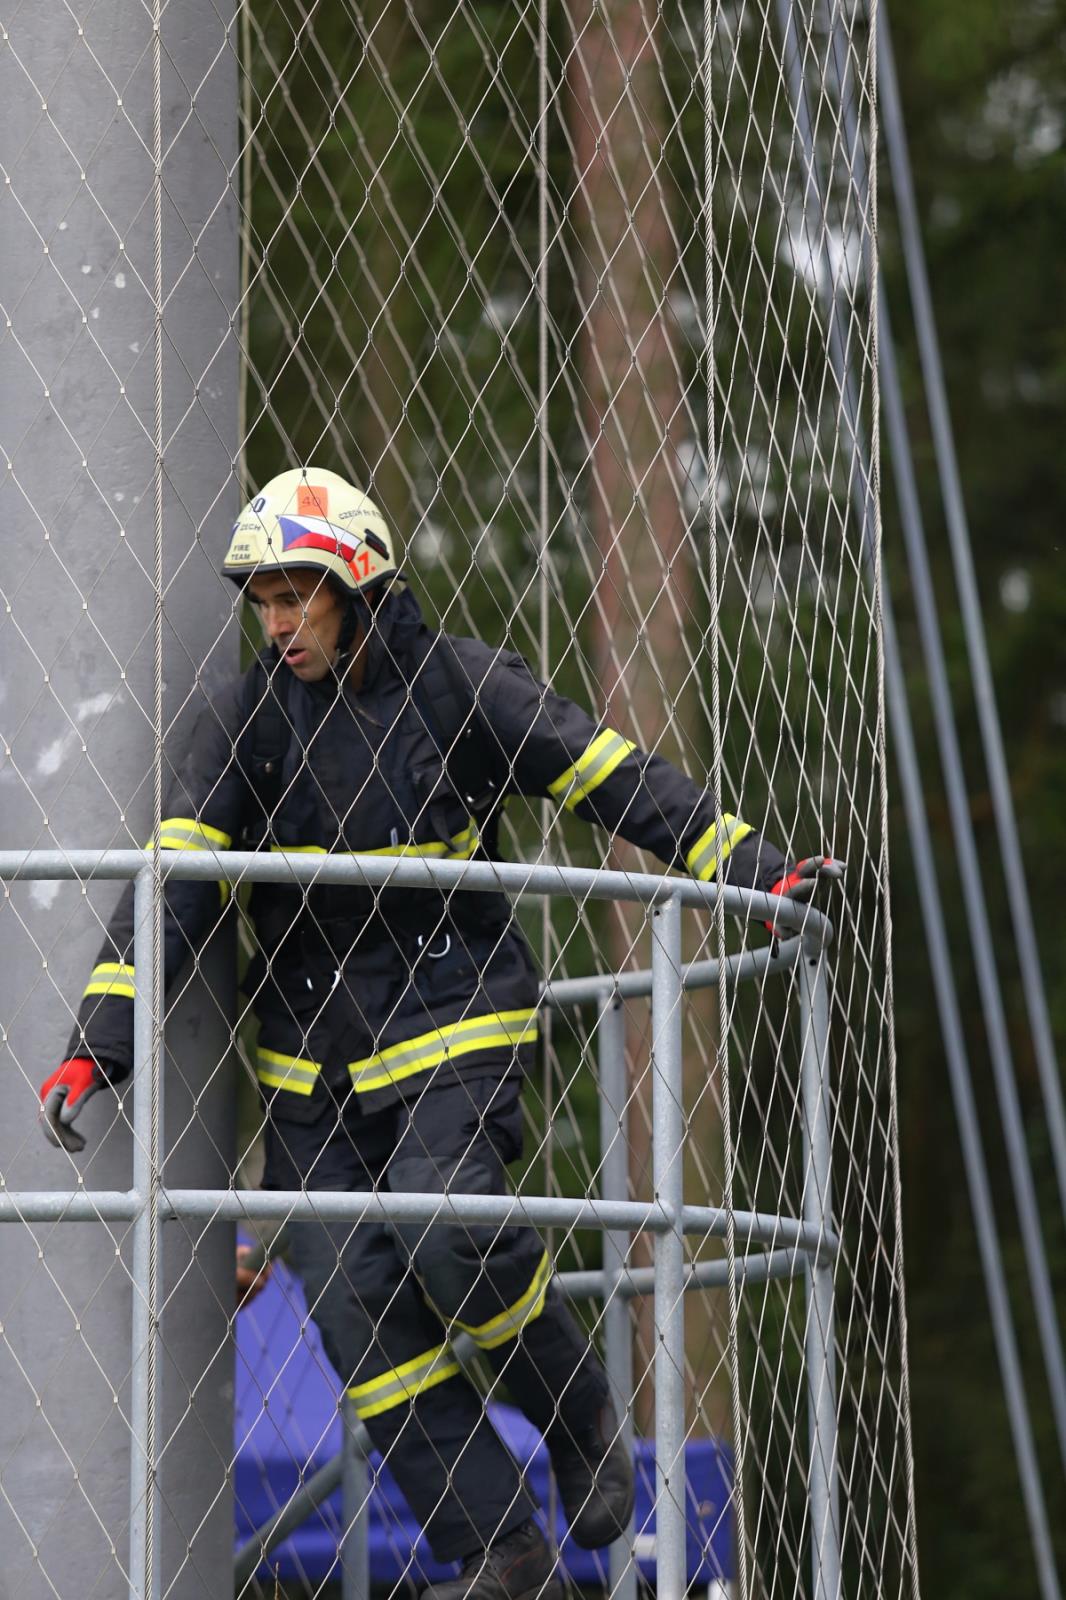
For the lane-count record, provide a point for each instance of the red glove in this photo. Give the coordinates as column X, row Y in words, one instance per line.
column 800, row 881
column 62, row 1097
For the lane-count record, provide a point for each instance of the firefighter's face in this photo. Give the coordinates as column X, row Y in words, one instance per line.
column 302, row 615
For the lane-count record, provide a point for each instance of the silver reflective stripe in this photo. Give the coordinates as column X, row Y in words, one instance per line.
column 403, row 1383
column 185, row 833
column 113, row 978
column 464, row 845
column 294, row 1073
column 498, row 1030
column 460, row 846
column 702, row 860
column 528, row 1306
column 596, row 763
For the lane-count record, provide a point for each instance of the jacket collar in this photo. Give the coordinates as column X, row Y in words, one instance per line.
column 397, row 621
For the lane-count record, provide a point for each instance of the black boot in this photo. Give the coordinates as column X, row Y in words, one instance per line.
column 594, row 1475
column 520, row 1566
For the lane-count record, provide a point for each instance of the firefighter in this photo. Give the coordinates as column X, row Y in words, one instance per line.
column 395, row 1025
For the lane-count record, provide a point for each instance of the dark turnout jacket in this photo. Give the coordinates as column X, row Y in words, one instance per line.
column 372, row 991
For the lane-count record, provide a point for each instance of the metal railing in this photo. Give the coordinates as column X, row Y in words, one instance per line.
column 793, row 1245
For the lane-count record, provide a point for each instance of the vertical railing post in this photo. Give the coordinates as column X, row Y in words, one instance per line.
column 818, row 1340
column 668, row 1132
column 614, row 1185
column 145, row 1568
column 355, row 1510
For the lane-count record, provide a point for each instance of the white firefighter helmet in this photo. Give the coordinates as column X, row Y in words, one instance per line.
column 311, row 518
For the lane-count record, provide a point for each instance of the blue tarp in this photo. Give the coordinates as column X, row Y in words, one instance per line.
column 288, row 1425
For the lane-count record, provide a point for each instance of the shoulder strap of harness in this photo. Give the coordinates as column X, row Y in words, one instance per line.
column 444, row 695
column 271, row 732
column 446, row 701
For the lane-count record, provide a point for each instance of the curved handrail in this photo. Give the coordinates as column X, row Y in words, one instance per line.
column 559, row 992
column 508, row 877
column 147, row 1204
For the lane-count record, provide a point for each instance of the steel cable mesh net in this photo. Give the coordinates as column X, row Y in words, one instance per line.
column 476, row 278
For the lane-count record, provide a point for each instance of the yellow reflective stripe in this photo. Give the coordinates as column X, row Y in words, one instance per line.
column 606, row 752
column 465, row 844
column 497, row 1030
column 487, row 1335
column 185, row 833
column 294, row 1073
column 403, row 1383
column 702, row 860
column 435, row 848
column 113, row 978
column 460, row 847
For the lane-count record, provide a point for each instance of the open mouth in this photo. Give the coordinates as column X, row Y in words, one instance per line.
column 295, row 656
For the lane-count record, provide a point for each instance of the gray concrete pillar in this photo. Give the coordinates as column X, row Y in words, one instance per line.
column 78, row 462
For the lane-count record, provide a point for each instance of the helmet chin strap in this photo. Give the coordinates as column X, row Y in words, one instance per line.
column 359, row 610
column 357, row 614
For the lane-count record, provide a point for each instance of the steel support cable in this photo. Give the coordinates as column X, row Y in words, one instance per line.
column 973, row 891
column 244, row 235
column 724, row 1087
column 865, row 188
column 947, row 999
column 826, row 1530
column 543, row 376
column 910, row 516
column 984, row 1211
column 970, row 605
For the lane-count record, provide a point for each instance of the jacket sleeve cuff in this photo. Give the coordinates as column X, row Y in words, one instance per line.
column 115, row 1066
column 755, row 863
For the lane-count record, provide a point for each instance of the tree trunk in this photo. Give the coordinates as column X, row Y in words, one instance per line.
column 635, row 422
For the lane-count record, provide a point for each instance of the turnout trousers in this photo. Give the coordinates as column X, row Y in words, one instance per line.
column 385, row 1297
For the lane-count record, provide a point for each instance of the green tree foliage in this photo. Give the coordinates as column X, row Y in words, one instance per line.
column 393, row 244
column 985, row 105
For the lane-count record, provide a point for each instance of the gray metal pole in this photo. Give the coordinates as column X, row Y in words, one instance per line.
column 668, row 1138
column 77, row 441
column 355, row 1508
column 970, row 604
column 335, row 1205
column 614, row 1185
column 315, row 1491
column 818, row 1338
column 144, row 1567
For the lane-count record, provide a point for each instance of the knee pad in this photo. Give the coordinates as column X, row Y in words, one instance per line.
column 447, row 1263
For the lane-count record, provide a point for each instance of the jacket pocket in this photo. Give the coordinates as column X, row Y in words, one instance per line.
column 285, row 1108
column 438, row 801
column 289, row 1074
